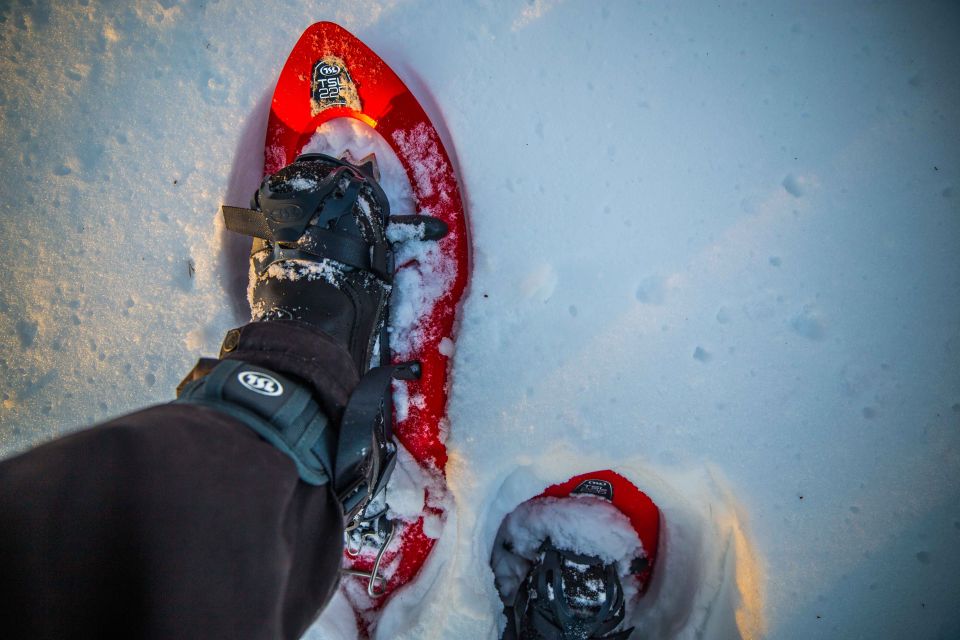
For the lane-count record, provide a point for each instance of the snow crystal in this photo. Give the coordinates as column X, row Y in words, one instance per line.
column 401, row 400
column 424, row 277
column 446, row 347
column 327, row 270
column 407, row 486
column 302, row 184
column 419, row 145
column 402, row 232
column 432, row 526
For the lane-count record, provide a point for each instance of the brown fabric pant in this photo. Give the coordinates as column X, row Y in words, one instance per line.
column 176, row 521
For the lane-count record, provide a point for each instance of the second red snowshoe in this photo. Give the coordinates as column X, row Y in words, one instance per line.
column 570, row 562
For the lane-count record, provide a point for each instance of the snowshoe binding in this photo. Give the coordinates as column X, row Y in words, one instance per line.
column 320, row 252
column 571, row 562
column 567, row 596
column 321, row 255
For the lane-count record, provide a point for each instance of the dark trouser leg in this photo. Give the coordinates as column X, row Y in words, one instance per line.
column 173, row 522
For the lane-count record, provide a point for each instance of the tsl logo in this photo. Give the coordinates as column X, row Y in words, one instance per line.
column 260, row 383
column 327, row 70
column 332, row 86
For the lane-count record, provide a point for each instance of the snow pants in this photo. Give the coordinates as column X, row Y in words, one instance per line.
column 176, row 521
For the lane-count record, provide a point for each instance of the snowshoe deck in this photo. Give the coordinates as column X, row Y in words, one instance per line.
column 331, row 74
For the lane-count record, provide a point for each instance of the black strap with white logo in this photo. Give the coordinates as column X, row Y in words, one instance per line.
column 281, row 411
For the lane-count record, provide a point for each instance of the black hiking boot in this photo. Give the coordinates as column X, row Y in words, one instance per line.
column 321, row 255
column 321, row 274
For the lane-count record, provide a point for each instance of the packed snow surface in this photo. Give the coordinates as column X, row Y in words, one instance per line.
column 715, row 248
column 582, row 524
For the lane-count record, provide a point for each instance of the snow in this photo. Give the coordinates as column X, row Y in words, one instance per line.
column 325, row 270
column 424, row 155
column 583, row 524
column 714, row 249
column 303, row 184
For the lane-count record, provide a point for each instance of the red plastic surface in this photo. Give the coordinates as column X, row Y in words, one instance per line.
column 635, row 504
column 388, row 106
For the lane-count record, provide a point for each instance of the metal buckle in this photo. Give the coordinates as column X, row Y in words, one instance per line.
column 375, row 529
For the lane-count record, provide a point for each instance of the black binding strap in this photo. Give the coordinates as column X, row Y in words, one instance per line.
column 366, row 453
column 282, row 218
column 321, row 243
column 246, row 221
column 366, row 425
column 281, row 411
column 357, row 460
column 428, row 227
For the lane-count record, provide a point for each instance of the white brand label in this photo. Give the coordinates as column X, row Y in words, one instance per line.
column 260, row 383
column 328, row 70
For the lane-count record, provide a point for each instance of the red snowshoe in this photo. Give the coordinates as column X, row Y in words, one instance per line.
column 569, row 562
column 330, row 74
